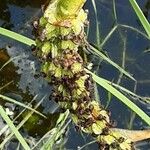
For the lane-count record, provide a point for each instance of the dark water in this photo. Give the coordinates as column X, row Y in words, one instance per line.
column 18, row 16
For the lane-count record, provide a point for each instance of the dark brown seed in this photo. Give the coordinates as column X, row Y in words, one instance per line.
column 121, row 139
column 33, row 47
column 91, row 107
column 89, row 122
column 114, row 145
column 87, row 111
column 81, row 111
column 105, row 131
column 43, row 74
column 100, row 117
column 77, row 128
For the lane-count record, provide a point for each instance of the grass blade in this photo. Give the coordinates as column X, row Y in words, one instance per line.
column 126, row 91
column 21, row 123
column 14, row 129
column 16, row 36
column 121, row 97
column 97, row 24
column 100, row 54
column 57, row 131
column 141, row 16
column 20, row 104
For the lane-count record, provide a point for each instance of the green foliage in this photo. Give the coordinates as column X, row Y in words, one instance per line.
column 20, row 104
column 141, row 16
column 21, row 123
column 121, row 97
column 14, row 129
column 101, row 55
column 56, row 132
column 17, row 37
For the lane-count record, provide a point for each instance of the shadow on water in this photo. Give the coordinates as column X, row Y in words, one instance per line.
column 24, row 68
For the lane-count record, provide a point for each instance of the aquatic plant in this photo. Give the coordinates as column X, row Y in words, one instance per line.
column 60, row 38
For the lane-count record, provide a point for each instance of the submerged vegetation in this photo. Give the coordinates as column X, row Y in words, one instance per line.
column 60, row 44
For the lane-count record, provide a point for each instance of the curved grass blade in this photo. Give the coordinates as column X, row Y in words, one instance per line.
column 100, row 54
column 20, row 124
column 16, row 36
column 7, row 84
column 141, row 16
column 121, row 97
column 55, row 133
column 14, row 129
column 20, row 104
column 9, row 61
column 123, row 89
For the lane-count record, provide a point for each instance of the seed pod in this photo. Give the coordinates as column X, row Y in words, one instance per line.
column 105, row 131
column 91, row 107
column 121, row 139
column 33, row 47
column 114, row 145
column 89, row 122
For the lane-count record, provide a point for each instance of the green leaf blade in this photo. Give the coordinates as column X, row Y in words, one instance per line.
column 100, row 54
column 14, row 129
column 16, row 36
column 121, row 97
column 141, row 16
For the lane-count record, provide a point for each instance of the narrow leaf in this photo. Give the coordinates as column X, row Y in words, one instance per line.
column 20, row 104
column 141, row 16
column 14, row 129
column 120, row 97
column 16, row 36
column 100, row 54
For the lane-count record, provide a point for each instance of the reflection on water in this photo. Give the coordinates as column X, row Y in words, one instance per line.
column 124, row 43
